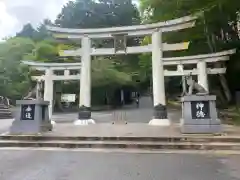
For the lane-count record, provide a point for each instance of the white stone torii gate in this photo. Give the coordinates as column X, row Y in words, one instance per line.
column 157, row 47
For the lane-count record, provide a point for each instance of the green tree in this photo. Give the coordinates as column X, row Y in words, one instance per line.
column 93, row 14
column 39, row 34
column 216, row 29
column 42, row 32
column 14, row 77
column 106, row 79
column 27, row 32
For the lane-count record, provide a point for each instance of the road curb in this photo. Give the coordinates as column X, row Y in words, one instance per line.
column 227, row 139
column 142, row 143
column 122, row 145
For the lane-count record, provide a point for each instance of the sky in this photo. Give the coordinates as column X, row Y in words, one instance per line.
column 15, row 13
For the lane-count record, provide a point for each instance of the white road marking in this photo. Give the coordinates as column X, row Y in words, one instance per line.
column 134, row 151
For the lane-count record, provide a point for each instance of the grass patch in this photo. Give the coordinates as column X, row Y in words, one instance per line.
column 230, row 116
column 175, row 104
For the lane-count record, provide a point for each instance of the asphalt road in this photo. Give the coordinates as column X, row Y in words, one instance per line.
column 69, row 165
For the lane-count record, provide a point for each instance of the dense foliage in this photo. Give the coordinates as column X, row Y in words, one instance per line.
column 217, row 29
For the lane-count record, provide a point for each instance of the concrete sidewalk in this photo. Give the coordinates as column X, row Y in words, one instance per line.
column 130, row 136
column 5, row 125
column 129, row 130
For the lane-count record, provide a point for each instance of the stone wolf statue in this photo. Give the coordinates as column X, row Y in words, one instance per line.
column 36, row 92
column 192, row 86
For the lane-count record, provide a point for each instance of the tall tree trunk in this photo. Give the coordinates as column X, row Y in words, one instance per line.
column 107, row 98
column 224, row 84
column 57, row 96
column 222, row 77
column 213, row 47
column 58, row 102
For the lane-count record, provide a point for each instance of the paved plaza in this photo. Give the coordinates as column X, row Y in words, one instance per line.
column 129, row 113
column 128, row 130
column 70, row 165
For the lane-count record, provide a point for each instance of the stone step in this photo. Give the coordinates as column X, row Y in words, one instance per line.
column 174, row 139
column 122, row 145
column 3, row 105
column 5, row 112
column 4, row 109
column 5, row 116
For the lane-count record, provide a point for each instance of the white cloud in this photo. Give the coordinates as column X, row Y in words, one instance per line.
column 15, row 13
column 7, row 22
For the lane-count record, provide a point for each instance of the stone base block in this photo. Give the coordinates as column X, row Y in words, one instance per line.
column 84, row 122
column 160, row 122
column 216, row 122
column 201, row 129
column 28, row 128
column 31, row 117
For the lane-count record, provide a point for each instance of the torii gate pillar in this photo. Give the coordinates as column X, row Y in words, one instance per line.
column 84, row 115
column 202, row 74
column 48, row 90
column 159, row 100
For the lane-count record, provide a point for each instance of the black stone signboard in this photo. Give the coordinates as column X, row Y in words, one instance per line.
column 200, row 110
column 28, row 112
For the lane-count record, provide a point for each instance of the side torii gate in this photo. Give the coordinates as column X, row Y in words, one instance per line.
column 49, row 76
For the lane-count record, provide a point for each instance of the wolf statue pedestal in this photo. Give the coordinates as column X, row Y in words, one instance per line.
column 199, row 112
column 32, row 117
column 199, row 115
